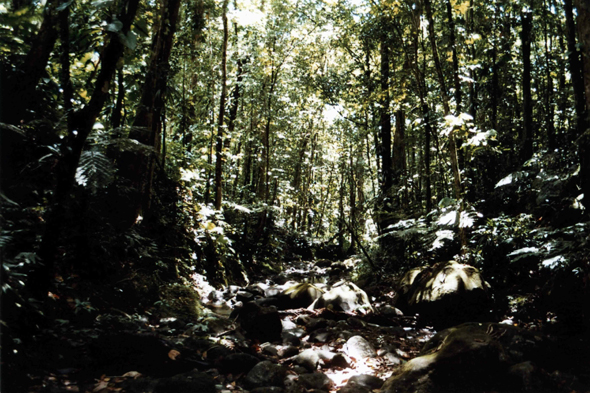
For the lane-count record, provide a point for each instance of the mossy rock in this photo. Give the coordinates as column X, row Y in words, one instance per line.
column 473, row 357
column 445, row 294
column 180, row 301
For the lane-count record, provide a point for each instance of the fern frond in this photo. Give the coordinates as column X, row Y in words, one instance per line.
column 94, row 170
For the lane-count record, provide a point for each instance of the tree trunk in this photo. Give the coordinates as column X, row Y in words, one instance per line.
column 18, row 95
column 527, row 136
column 583, row 7
column 222, row 99
column 139, row 168
column 576, row 66
column 82, row 122
column 399, row 150
column 117, row 115
column 454, row 57
column 549, row 104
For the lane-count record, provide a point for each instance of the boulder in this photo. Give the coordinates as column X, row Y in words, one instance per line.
column 260, row 323
column 359, row 348
column 299, row 296
column 319, row 381
column 266, row 374
column 471, row 357
column 369, row 382
column 446, row 293
column 344, row 296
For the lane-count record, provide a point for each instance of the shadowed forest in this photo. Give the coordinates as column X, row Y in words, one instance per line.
column 294, row 196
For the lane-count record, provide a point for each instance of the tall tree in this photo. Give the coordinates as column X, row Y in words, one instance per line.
column 147, row 125
column 220, row 123
column 527, row 136
column 583, row 7
column 576, row 67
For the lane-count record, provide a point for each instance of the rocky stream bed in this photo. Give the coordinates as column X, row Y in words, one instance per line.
column 307, row 329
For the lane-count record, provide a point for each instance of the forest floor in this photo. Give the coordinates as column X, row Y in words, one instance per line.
column 131, row 353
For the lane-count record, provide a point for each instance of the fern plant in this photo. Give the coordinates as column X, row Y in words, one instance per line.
column 95, row 170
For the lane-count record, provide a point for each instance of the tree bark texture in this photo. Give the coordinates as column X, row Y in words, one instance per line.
column 138, row 167
column 220, row 123
column 527, row 135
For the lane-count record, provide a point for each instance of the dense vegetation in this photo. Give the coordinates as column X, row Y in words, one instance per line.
column 144, row 142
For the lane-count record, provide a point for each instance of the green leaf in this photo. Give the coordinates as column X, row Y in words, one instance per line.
column 63, row 6
column 115, row 26
column 129, row 40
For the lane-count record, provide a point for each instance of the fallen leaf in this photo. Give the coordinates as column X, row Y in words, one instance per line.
column 173, row 354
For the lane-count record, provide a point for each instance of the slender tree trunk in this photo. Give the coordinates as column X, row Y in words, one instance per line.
column 549, row 104
column 117, row 116
column 385, row 122
column 399, row 151
column 439, row 71
column 576, row 67
column 527, row 102
column 222, row 99
column 457, row 185
column 147, row 126
column 66, row 83
column 18, row 95
column 453, row 46
column 583, row 7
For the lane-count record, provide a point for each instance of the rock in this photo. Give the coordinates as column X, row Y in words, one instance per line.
column 237, row 363
column 299, row 296
column 265, row 374
column 392, row 358
column 316, row 323
column 318, row 381
column 269, row 349
column 288, row 351
column 290, row 338
column 321, row 263
column 321, row 336
column 366, row 381
column 244, row 296
column 344, row 296
column 339, row 360
column 470, row 357
column 260, row 323
column 310, row 359
column 446, row 293
column 353, row 389
column 390, row 311
column 359, row 348
column 190, row 382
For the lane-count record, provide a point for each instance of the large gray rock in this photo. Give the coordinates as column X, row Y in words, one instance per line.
column 344, row 296
column 471, row 357
column 447, row 293
column 359, row 348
